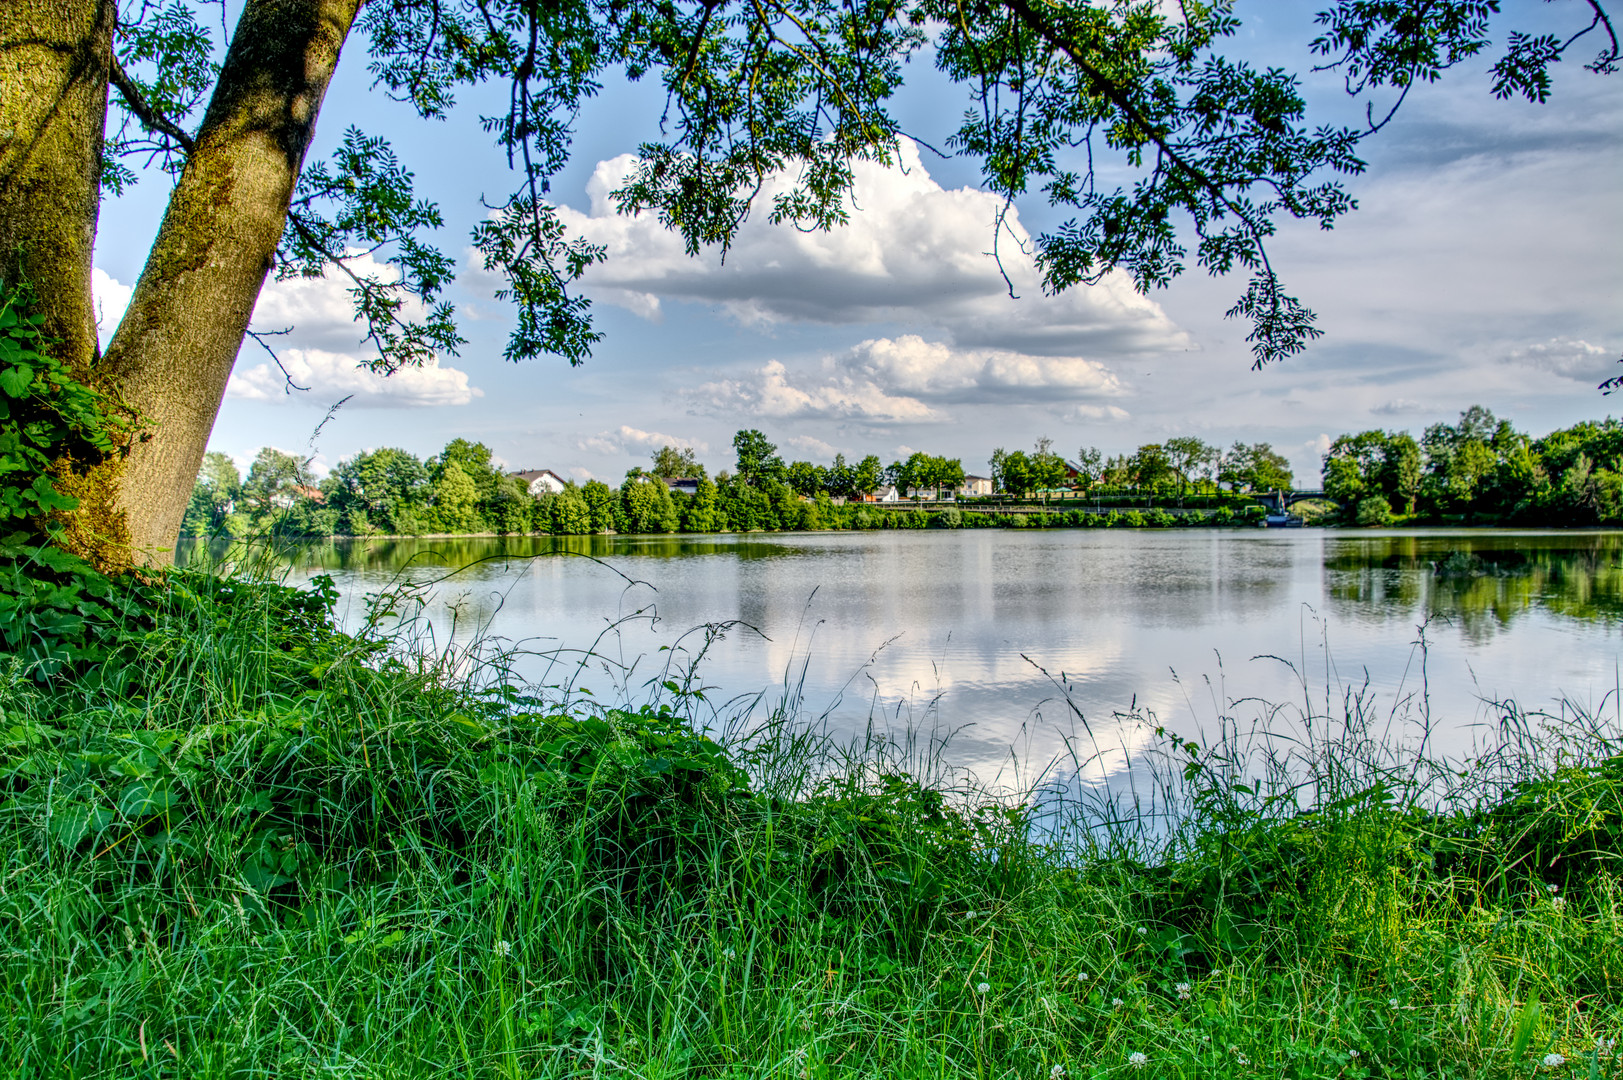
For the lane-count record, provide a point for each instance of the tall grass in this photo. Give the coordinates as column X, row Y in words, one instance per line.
column 270, row 849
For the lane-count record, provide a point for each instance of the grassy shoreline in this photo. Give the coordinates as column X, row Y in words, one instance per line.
column 250, row 845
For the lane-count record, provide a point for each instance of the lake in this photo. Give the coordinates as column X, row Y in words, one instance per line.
column 1012, row 640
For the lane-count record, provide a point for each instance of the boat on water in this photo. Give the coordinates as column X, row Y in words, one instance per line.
column 1283, row 521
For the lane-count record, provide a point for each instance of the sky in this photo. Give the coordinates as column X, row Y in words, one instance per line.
column 1481, row 267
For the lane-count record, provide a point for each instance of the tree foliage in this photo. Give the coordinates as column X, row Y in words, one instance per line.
column 1218, row 151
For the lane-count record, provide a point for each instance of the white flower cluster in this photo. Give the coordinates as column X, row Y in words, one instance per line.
column 1138, row 1059
column 1184, row 991
column 1554, row 1061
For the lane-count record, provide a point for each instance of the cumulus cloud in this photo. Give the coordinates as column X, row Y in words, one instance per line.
column 773, row 392
column 330, row 376
column 1398, row 407
column 913, row 253
column 629, row 440
column 933, row 369
column 323, row 350
column 1568, row 357
column 1085, row 413
column 111, row 298
column 811, row 445
column 906, row 380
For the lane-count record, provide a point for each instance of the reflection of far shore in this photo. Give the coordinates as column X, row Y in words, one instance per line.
column 1481, row 582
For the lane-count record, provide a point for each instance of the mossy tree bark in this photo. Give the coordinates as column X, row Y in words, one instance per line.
column 54, row 61
column 173, row 352
column 175, row 347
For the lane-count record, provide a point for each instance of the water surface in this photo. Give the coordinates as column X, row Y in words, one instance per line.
column 1005, row 636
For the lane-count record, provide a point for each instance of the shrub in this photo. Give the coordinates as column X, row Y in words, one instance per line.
column 1374, row 510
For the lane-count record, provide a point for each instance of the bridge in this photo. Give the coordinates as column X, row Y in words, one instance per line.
column 1277, row 501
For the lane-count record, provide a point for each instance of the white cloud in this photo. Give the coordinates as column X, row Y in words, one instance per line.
column 927, row 369
column 111, row 298
column 912, row 253
column 1569, row 357
column 773, row 392
column 903, row 380
column 1398, row 407
column 330, row 376
column 323, row 350
column 629, row 439
column 1084, row 413
column 813, row 446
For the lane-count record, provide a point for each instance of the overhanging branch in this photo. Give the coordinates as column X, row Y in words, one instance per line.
column 150, row 118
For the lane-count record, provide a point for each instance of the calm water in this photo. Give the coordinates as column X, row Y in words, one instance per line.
column 988, row 632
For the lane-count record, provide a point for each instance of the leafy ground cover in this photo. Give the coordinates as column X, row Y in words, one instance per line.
column 237, row 842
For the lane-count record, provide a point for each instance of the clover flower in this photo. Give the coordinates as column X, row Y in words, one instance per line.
column 1353, row 1054
column 1552, row 889
column 1116, row 1003
column 1559, row 903
column 982, row 987
column 1142, row 931
column 1056, row 1072
column 1554, row 1061
column 504, row 949
column 1392, row 1002
column 1137, row 1059
column 1183, row 991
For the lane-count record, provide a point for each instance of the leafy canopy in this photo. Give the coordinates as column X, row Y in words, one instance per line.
column 1060, row 98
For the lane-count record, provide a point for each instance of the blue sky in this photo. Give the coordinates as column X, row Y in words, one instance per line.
column 1481, row 268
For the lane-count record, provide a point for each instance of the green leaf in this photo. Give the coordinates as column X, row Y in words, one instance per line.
column 1526, row 1027
column 16, row 380
column 145, row 798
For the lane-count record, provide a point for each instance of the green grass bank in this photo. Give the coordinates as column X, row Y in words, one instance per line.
column 240, row 843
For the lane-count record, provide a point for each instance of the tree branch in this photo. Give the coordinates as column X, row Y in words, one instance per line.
column 150, row 118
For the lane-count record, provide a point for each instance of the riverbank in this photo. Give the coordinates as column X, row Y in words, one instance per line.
column 243, row 843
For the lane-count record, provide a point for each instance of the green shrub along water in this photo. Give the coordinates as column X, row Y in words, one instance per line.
column 241, row 843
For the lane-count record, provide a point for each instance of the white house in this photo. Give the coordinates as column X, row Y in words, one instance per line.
column 975, row 485
column 542, row 481
column 886, row 493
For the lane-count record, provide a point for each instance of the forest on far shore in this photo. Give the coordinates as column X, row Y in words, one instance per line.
column 1479, row 470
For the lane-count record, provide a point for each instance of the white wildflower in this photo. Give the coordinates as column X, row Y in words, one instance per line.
column 1142, row 931
column 728, row 952
column 1056, row 1072
column 1353, row 1054
column 1559, row 903
column 1137, row 1059
column 981, row 987
column 1116, row 1003
column 1082, row 976
column 1554, row 1061
column 504, row 949
column 1183, row 991
column 1392, row 1002
column 1552, row 889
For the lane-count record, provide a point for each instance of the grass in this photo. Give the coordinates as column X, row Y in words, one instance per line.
column 263, row 848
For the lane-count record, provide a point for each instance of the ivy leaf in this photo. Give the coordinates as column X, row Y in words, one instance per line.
column 16, row 380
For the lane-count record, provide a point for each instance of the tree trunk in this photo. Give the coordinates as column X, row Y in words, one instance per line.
column 55, row 57
column 174, row 350
column 54, row 60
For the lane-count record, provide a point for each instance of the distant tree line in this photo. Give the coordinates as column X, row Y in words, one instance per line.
column 458, row 490
column 1173, row 467
column 1480, row 470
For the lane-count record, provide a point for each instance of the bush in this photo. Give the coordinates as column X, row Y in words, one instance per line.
column 1374, row 510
